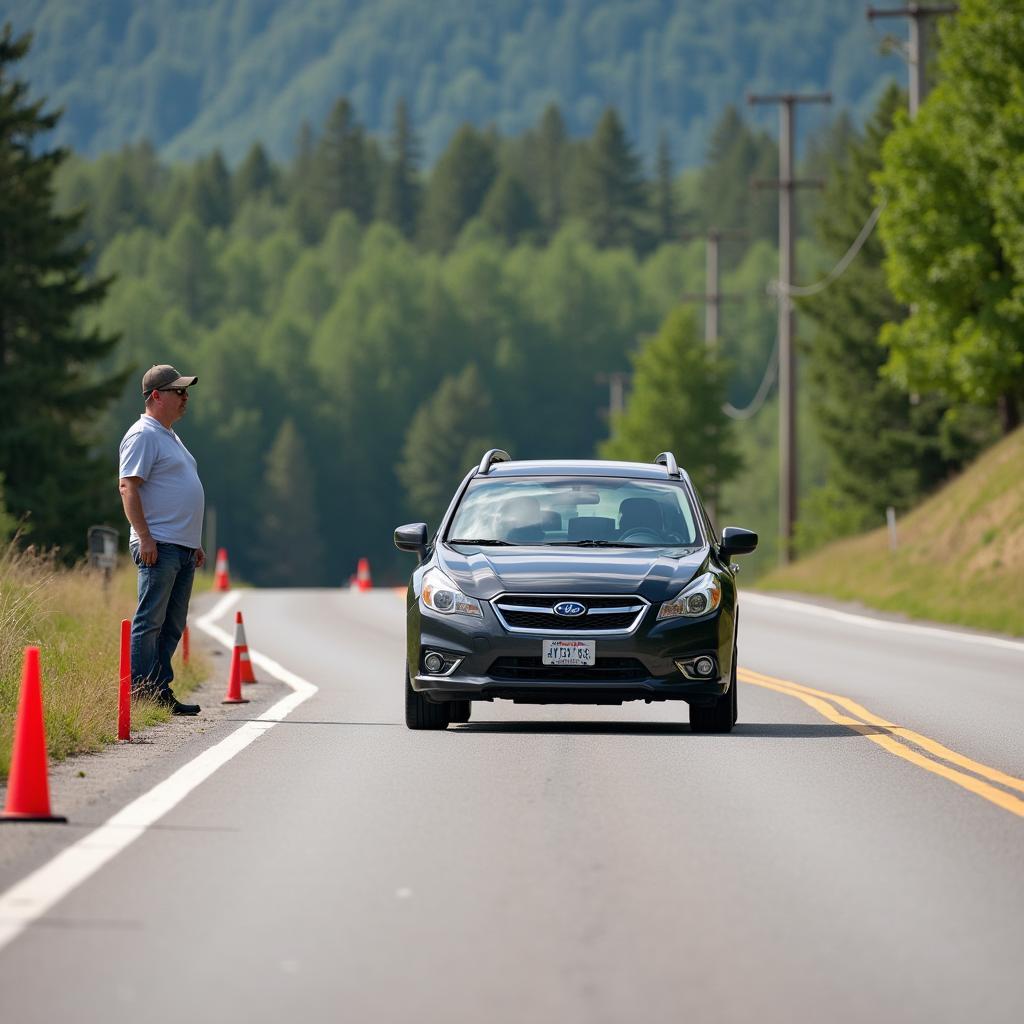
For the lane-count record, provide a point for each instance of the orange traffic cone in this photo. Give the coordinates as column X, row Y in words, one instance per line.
column 363, row 581
column 234, row 694
column 28, row 796
column 220, row 576
column 124, row 685
column 243, row 650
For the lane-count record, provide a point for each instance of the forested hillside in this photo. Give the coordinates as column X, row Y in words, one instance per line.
column 204, row 74
column 364, row 322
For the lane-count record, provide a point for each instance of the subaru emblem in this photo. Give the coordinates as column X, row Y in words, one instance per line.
column 569, row 609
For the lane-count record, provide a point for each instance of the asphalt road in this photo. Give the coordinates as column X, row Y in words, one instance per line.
column 571, row 863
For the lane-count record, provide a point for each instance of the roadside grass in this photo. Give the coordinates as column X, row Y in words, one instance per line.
column 960, row 557
column 75, row 621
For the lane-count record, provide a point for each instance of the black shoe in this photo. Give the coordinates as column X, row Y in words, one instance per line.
column 169, row 701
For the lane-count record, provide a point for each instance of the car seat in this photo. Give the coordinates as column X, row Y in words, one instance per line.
column 636, row 513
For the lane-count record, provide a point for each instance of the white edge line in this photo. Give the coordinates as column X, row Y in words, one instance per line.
column 34, row 895
column 807, row 608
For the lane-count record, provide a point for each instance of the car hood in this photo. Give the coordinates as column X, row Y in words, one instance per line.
column 655, row 573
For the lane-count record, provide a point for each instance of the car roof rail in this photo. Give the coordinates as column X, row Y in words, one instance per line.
column 492, row 456
column 668, row 460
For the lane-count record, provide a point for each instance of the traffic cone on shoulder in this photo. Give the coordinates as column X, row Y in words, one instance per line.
column 220, row 576
column 28, row 795
column 124, row 683
column 234, row 694
column 244, row 660
column 363, row 581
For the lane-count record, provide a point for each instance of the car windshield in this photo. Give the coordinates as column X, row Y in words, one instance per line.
column 574, row 511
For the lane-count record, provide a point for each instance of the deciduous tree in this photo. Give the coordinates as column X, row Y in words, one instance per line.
column 954, row 221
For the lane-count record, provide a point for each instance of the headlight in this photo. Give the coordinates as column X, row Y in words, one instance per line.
column 701, row 596
column 439, row 594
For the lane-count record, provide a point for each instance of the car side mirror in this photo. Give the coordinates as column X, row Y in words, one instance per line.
column 737, row 541
column 412, row 537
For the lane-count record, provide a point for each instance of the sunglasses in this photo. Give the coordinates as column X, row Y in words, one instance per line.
column 180, row 392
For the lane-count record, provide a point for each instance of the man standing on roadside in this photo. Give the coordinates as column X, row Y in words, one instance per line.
column 163, row 500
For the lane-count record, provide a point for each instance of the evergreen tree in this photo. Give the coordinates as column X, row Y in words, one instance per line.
column 289, row 551
column 50, row 391
column 119, row 205
column 446, row 436
column 509, row 209
column 458, row 186
column 610, row 188
column 341, row 177
column 209, row 192
column 185, row 270
column 255, row 176
column 666, row 219
column 549, row 163
column 736, row 156
column 882, row 449
column 304, row 208
column 676, row 405
column 398, row 201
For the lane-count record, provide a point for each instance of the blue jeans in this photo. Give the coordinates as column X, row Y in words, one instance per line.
column 164, row 591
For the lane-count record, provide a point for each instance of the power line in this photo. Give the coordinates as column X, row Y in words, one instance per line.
column 779, row 288
column 763, row 389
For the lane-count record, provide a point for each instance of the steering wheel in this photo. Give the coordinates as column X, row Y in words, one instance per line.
column 644, row 534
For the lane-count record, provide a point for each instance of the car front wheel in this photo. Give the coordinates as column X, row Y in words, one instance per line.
column 459, row 711
column 720, row 716
column 421, row 713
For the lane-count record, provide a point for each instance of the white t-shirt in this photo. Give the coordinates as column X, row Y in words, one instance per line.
column 171, row 492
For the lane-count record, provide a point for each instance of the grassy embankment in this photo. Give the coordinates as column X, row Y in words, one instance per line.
column 76, row 625
column 960, row 557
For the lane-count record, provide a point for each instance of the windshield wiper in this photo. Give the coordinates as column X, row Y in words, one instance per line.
column 593, row 544
column 488, row 543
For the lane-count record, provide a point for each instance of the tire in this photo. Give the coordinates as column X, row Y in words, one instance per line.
column 421, row 713
column 719, row 717
column 733, row 687
column 459, row 711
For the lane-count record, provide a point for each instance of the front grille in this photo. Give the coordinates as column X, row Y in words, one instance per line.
column 533, row 670
column 556, row 623
column 606, row 614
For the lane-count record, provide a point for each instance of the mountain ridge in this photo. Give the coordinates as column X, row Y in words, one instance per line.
column 211, row 74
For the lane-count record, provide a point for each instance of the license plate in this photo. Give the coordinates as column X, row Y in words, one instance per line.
column 568, row 652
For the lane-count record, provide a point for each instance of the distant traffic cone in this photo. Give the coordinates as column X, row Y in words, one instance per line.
column 243, row 650
column 28, row 795
column 363, row 581
column 234, row 694
column 124, row 683
column 220, row 576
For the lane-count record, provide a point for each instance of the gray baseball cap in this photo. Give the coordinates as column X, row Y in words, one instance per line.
column 158, row 378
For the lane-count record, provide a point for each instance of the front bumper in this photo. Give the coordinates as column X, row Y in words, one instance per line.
column 497, row 664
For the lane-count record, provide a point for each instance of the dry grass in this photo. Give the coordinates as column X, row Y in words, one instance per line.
column 960, row 557
column 75, row 622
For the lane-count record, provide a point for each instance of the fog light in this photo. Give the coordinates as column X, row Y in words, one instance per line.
column 704, row 666
column 433, row 663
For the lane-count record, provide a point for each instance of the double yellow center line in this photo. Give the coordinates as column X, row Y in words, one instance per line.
column 911, row 746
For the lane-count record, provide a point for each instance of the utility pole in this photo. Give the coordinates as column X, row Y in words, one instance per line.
column 917, row 44
column 616, row 382
column 786, row 186
column 712, row 297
